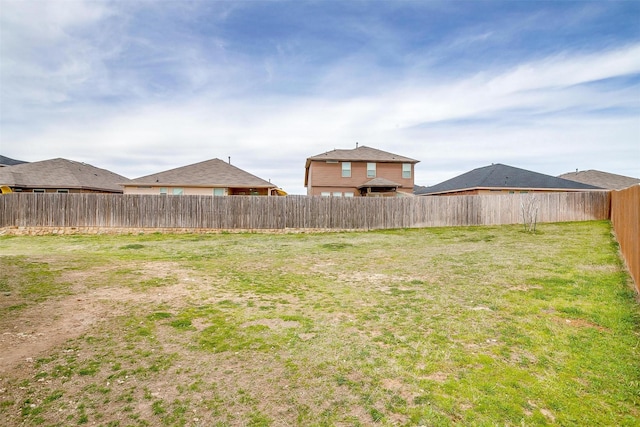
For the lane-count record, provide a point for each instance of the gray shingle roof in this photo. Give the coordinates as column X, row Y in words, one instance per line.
column 499, row 176
column 7, row 161
column 601, row 179
column 209, row 173
column 362, row 154
column 61, row 173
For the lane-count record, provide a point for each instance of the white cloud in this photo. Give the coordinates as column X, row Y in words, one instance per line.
column 43, row 60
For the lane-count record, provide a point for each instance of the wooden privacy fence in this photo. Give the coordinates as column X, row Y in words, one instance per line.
column 290, row 212
column 625, row 217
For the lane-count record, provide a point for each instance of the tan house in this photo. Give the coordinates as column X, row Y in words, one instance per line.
column 213, row 177
column 362, row 171
column 60, row 176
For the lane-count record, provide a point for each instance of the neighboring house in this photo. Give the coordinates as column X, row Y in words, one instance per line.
column 362, row 171
column 610, row 181
column 60, row 176
column 213, row 177
column 7, row 161
column 500, row 179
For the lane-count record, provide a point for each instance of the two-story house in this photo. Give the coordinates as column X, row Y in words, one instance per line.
column 362, row 171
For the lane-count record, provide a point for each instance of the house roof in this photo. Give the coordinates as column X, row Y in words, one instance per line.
column 209, row 173
column 361, row 154
column 7, row 161
column 499, row 176
column 601, row 179
column 380, row 183
column 61, row 173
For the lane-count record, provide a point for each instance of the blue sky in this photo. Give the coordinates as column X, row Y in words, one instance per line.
column 138, row 87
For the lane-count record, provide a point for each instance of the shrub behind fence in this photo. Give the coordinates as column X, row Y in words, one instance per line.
column 291, row 212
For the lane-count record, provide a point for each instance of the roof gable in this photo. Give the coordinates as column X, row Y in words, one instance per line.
column 210, row 173
column 501, row 176
column 61, row 173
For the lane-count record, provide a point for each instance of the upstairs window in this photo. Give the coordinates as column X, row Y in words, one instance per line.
column 177, row 191
column 406, row 170
column 163, row 191
column 62, row 191
column 346, row 169
column 218, row 191
column 371, row 170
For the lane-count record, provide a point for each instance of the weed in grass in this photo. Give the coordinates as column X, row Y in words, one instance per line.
column 258, row 419
column 132, row 246
column 158, row 407
column 159, row 315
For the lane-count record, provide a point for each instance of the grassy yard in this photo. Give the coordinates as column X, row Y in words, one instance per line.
column 434, row 327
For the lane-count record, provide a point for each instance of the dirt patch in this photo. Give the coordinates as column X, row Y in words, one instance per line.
column 579, row 323
column 49, row 324
column 41, row 327
column 524, row 288
column 273, row 323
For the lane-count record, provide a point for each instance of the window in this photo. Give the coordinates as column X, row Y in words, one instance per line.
column 177, row 191
column 62, row 191
column 348, row 194
column 371, row 170
column 163, row 191
column 337, row 194
column 325, row 194
column 406, row 170
column 218, row 191
column 38, row 190
column 346, row 169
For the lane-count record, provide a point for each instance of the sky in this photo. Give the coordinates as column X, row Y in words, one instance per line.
column 141, row 86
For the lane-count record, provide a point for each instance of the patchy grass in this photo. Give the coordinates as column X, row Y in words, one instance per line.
column 443, row 326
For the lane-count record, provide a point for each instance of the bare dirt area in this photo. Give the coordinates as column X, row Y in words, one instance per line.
column 40, row 327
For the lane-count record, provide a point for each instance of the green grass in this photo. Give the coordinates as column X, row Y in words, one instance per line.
column 443, row 326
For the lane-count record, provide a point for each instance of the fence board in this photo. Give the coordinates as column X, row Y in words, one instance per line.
column 625, row 217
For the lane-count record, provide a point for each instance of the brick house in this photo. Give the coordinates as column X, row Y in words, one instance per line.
column 362, row 171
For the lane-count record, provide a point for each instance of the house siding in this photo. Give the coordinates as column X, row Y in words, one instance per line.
column 18, row 189
column 192, row 191
column 494, row 192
